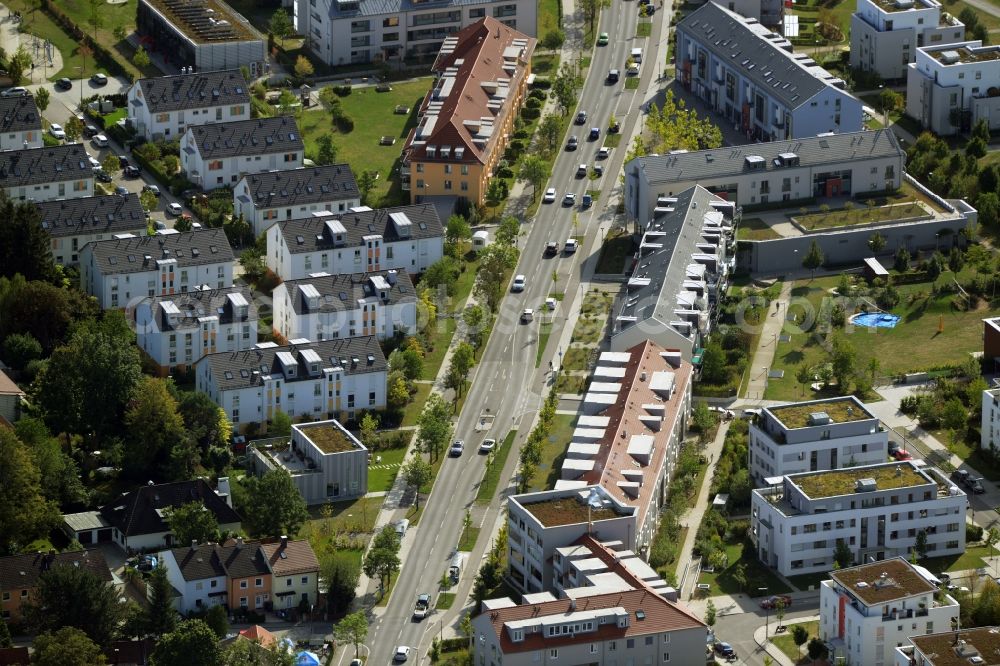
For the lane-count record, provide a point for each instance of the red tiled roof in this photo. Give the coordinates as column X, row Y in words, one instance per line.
column 260, row 635
column 298, row 557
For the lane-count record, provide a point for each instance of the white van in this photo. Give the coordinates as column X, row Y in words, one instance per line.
column 457, row 564
column 637, row 55
column 401, row 527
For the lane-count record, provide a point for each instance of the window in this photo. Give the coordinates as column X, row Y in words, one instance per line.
column 6, row 596
column 477, row 13
column 593, row 648
column 237, row 110
column 305, row 580
column 649, row 640
column 258, row 582
column 464, row 186
column 291, row 157
column 447, row 168
column 390, row 22
column 553, row 653
column 630, row 643
column 447, row 184
column 465, row 169
column 420, row 167
column 163, row 117
column 666, row 656
column 243, row 584
column 215, row 165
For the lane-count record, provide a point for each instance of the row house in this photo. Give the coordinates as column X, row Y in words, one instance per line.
column 264, row 199
column 20, row 123
column 19, row 576
column 164, row 106
column 219, row 154
column 72, row 223
column 47, row 173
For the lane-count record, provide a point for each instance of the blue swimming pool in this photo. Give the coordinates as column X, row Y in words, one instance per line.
column 875, row 320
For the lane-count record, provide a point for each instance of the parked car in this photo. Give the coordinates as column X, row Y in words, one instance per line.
column 725, row 650
column 518, row 284
column 99, row 79
column 550, row 195
column 103, row 176
column 770, row 603
column 131, row 171
column 64, row 84
column 120, row 190
column 487, row 445
column 123, row 161
column 551, row 249
column 99, row 141
column 961, row 476
column 94, row 163
column 90, row 131
column 902, row 454
column 976, row 486
column 151, row 188
column 17, row 91
column 457, row 448
column 175, row 208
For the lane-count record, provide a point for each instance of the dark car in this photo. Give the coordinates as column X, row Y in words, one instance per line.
column 123, row 161
column 90, row 131
column 587, row 201
column 572, row 143
column 976, row 485
column 650, row 9
column 551, row 249
column 131, row 171
column 104, row 177
column 121, row 190
column 725, row 649
column 613, row 76
column 595, row 134
column 614, row 127
column 64, row 84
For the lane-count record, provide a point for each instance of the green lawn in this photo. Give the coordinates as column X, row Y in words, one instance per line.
column 38, row 23
column 757, row 574
column 434, row 357
column 805, row 581
column 445, row 600
column 615, row 250
column 544, row 331
column 632, row 83
column 417, row 400
column 786, row 643
column 989, row 20
column 382, row 475
column 545, row 64
column 644, row 29
column 969, row 451
column 553, row 452
column 351, row 517
column 570, row 383
column 468, row 540
column 548, row 17
column 860, row 215
column 373, row 117
column 972, row 558
column 754, row 228
column 384, row 599
column 491, row 478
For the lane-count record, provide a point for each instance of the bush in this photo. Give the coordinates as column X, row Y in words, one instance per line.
column 541, row 84
column 533, row 103
column 973, row 532
column 537, row 93
column 342, row 91
column 529, row 113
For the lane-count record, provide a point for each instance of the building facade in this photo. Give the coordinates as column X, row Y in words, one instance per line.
column 295, row 573
column 264, row 199
column 46, row 174
column 466, row 119
column 765, row 90
column 20, row 123
column 19, row 576
column 877, row 510
column 11, row 398
column 219, row 154
column 120, row 271
column 163, row 107
column 72, row 223
column 951, row 88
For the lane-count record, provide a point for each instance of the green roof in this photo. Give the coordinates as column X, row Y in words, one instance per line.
column 832, row 483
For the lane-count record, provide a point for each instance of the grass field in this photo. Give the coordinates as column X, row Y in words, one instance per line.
column 544, row 331
column 757, row 574
column 644, row 29
column 859, row 215
column 632, row 83
column 491, row 479
column 972, row 558
column 381, row 476
column 469, row 538
column 786, row 643
column 545, row 64
column 445, row 600
column 553, row 452
column 548, row 17
column 412, row 411
column 754, row 228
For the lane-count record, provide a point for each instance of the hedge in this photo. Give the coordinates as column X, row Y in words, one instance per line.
column 102, row 55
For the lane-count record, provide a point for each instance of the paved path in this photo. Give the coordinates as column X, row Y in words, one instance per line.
column 11, row 39
column 763, row 358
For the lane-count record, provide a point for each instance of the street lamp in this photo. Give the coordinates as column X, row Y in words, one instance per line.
column 767, row 613
column 81, row 86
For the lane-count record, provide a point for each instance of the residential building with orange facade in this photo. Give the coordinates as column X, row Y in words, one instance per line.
column 19, row 576
column 466, row 119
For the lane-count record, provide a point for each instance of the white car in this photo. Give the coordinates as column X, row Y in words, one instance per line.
column 603, row 153
column 402, row 654
column 527, row 315
column 175, row 209
column 57, row 131
column 487, row 445
column 100, row 141
column 94, row 164
column 15, row 92
column 550, row 195
column 518, row 284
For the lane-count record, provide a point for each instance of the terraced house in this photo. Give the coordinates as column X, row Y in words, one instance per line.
column 20, row 123
column 46, row 174
column 263, row 199
column 72, row 223
column 164, row 106
column 19, row 575
column 219, row 154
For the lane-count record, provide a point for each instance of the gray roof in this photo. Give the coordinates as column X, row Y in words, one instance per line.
column 257, row 136
column 204, row 303
column 18, row 114
column 107, row 214
column 214, row 561
column 812, row 151
column 342, row 292
column 49, row 164
column 347, row 9
column 235, row 370
column 755, row 52
column 128, row 255
column 310, row 234
column 194, row 91
column 334, row 182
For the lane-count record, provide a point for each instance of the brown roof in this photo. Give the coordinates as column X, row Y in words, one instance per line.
column 294, row 557
column 947, row 648
column 259, row 635
column 7, row 385
column 21, row 572
column 660, row 616
column 880, row 582
column 14, row 656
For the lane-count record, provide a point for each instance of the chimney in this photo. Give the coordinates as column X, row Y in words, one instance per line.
column 284, row 541
column 239, row 542
column 194, row 544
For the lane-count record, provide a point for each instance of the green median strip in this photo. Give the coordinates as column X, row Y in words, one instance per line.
column 494, row 468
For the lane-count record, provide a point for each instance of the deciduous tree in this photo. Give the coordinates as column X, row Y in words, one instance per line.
column 813, row 259
column 353, row 629
column 192, row 643
column 341, row 576
column 303, row 68
column 141, row 58
column 271, row 505
column 66, row 647
column 434, row 426
column 25, row 512
column 495, row 264
column 153, row 430
column 366, row 183
column 42, row 96
column 457, row 229
column 327, row 150
column 535, row 171
column 72, row 596
column 192, row 522
column 280, row 25
column 417, row 473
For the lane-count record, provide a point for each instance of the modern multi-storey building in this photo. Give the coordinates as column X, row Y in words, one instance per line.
column 680, row 270
column 326, row 307
column 344, row 32
column 129, row 268
column 468, row 116
column 326, row 462
column 19, row 575
column 833, row 165
column 264, row 199
column 885, row 34
column 815, row 435
column 951, row 647
column 951, row 88
column 72, row 223
column 20, row 123
column 176, row 331
column 363, row 240
column 318, row 380
column 48, row 173
column 750, row 76
column 769, row 12
column 877, row 510
column 868, row 610
column 207, row 35
column 163, row 107
column 219, row 154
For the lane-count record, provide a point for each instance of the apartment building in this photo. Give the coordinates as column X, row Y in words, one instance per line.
column 219, row 154
column 19, row 575
column 326, row 462
column 343, row 32
column 467, row 117
column 327, row 307
column 264, row 199
column 680, row 269
column 834, row 165
column 976, row 645
column 176, row 331
column 951, row 88
column 20, row 123
column 48, row 173
column 295, row 571
column 72, row 223
column 815, row 435
column 885, row 34
column 119, row 271
column 877, row 510
column 770, row 13
column 752, row 79
column 164, row 106
column 318, row 380
column 363, row 240
column 867, row 611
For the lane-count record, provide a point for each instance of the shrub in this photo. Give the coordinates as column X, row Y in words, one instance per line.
column 533, row 103
column 529, row 113
column 342, row 91
column 973, row 532
column 541, row 84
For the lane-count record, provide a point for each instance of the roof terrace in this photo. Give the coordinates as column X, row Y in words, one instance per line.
column 206, row 20
column 329, row 438
column 567, row 511
column 832, row 483
column 880, row 582
column 964, row 54
column 804, row 415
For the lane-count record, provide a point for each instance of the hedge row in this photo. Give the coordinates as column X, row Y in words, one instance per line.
column 102, row 55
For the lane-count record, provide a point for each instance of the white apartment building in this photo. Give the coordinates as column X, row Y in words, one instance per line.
column 813, row 436
column 344, row 32
column 833, row 165
column 163, row 107
column 877, row 510
column 315, row 380
column 122, row 270
column 20, row 123
column 867, row 611
column 363, row 240
column 219, row 154
column 47, row 173
column 264, row 199
column 749, row 75
column 768, row 12
column 951, row 88
column 176, row 331
column 72, row 223
column 327, row 307
column 989, row 430
column 885, row 34
column 976, row 645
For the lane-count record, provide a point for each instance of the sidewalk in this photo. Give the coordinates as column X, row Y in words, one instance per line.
column 779, row 657
column 763, row 358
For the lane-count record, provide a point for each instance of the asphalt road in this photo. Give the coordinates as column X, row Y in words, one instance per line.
column 737, row 630
column 507, row 384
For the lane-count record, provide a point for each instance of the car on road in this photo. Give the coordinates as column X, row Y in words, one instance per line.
column 603, row 153
column 357, row 662
column 976, row 486
column 457, row 448
column 570, row 246
column 131, row 171
column 599, row 170
column 123, row 191
column 57, row 131
column 770, row 603
column 99, row 141
column 175, row 208
column 527, row 315
column 487, row 445
column 64, row 84
column 422, row 607
column 613, row 75
column 99, row 79
column 961, row 476
column 550, row 195
column 587, row 201
column 123, row 161
column 902, row 454
column 401, row 654
column 725, row 650
column 518, row 284
column 551, row 249
column 572, row 143
column 90, row 131
column 595, row 134
column 103, row 176
column 650, row 9
column 581, row 117
column 151, row 188
column 581, row 171
column 603, row 39
column 569, row 199
column 17, row 91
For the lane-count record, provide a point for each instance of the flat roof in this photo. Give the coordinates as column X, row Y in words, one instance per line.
column 951, row 648
column 329, row 437
column 840, row 410
column 879, row 582
column 831, row 483
column 206, row 21
column 567, row 510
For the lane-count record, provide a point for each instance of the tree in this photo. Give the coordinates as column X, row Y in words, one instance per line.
column 457, row 229
column 272, row 506
column 714, row 369
column 156, row 443
column 160, row 617
column 218, row 621
column 842, row 554
column 813, row 259
column 397, row 394
column 366, row 183
column 710, row 613
column 991, row 537
column 281, row 424
column 18, row 63
column 148, row 200
column 800, row 635
column 95, row 19
column 740, row 576
column 286, row 102
column 462, row 361
column 353, row 629
column 204, row 420
column 495, row 264
column 988, row 204
column 253, row 264
column 843, row 359
column 73, row 596
column 702, row 418
column 889, row 100
column 20, row 349
column 60, row 475
column 434, row 426
column 341, row 576
column 408, row 361
column 477, row 326
column 550, row 132
column 141, row 58
column 535, row 171
column 382, row 559
column 66, row 647
column 592, row 9
column 119, row 33
column 25, row 513
column 303, row 68
column 280, row 25
column 508, row 231
column 42, row 96
column 111, row 163
column 779, row 610
column 327, row 153
column 192, row 522
column 553, row 39
column 902, row 261
column 876, row 242
column 73, row 129
column 192, row 643
column 417, row 473
column 369, row 430
column 24, row 244
column 564, row 88
column 817, row 649
column 5, row 639
column 252, row 653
